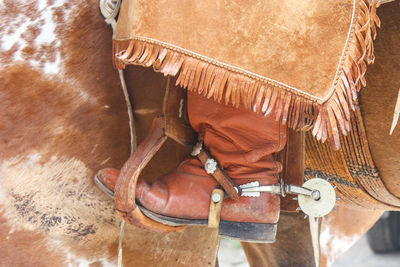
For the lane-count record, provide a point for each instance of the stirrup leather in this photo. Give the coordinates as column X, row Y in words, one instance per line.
column 171, row 124
column 212, row 167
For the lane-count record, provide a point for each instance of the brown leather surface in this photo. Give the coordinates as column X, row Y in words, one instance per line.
column 125, row 188
column 147, row 92
column 177, row 125
column 244, row 151
column 243, row 143
column 170, row 124
column 378, row 100
column 108, row 177
column 326, row 110
column 278, row 39
column 186, row 192
column 190, row 185
column 220, row 176
column 292, row 158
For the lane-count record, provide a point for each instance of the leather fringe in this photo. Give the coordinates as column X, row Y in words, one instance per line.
column 230, row 86
column 335, row 112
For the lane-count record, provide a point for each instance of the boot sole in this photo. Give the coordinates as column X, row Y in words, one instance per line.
column 103, row 188
column 243, row 231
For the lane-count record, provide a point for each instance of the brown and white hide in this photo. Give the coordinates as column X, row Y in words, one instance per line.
column 62, row 118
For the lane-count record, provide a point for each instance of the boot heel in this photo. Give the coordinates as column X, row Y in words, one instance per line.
column 248, row 232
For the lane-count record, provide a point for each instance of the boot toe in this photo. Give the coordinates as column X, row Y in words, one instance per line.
column 107, row 178
column 153, row 197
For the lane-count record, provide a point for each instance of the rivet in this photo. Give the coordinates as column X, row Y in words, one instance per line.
column 216, row 197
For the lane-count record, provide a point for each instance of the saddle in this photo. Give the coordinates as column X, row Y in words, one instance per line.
column 247, row 67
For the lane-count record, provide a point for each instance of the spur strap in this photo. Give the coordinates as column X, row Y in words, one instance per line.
column 212, row 167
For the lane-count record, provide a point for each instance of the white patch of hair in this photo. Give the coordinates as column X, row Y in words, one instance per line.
column 14, row 35
column 334, row 243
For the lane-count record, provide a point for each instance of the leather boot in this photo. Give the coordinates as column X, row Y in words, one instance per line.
column 245, row 145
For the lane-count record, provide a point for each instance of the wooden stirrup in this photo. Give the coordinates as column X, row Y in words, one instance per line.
column 170, row 124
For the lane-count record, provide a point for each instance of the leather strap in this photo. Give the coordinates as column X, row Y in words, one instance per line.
column 169, row 125
column 125, row 187
column 212, row 167
column 292, row 158
column 214, row 213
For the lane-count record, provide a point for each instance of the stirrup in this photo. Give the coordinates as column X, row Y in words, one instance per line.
column 170, row 124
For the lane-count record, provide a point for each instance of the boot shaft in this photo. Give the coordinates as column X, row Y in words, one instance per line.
column 243, row 142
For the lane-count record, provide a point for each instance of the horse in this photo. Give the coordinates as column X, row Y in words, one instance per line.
column 63, row 118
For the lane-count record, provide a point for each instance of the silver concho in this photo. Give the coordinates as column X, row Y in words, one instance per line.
column 210, row 166
column 196, row 149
